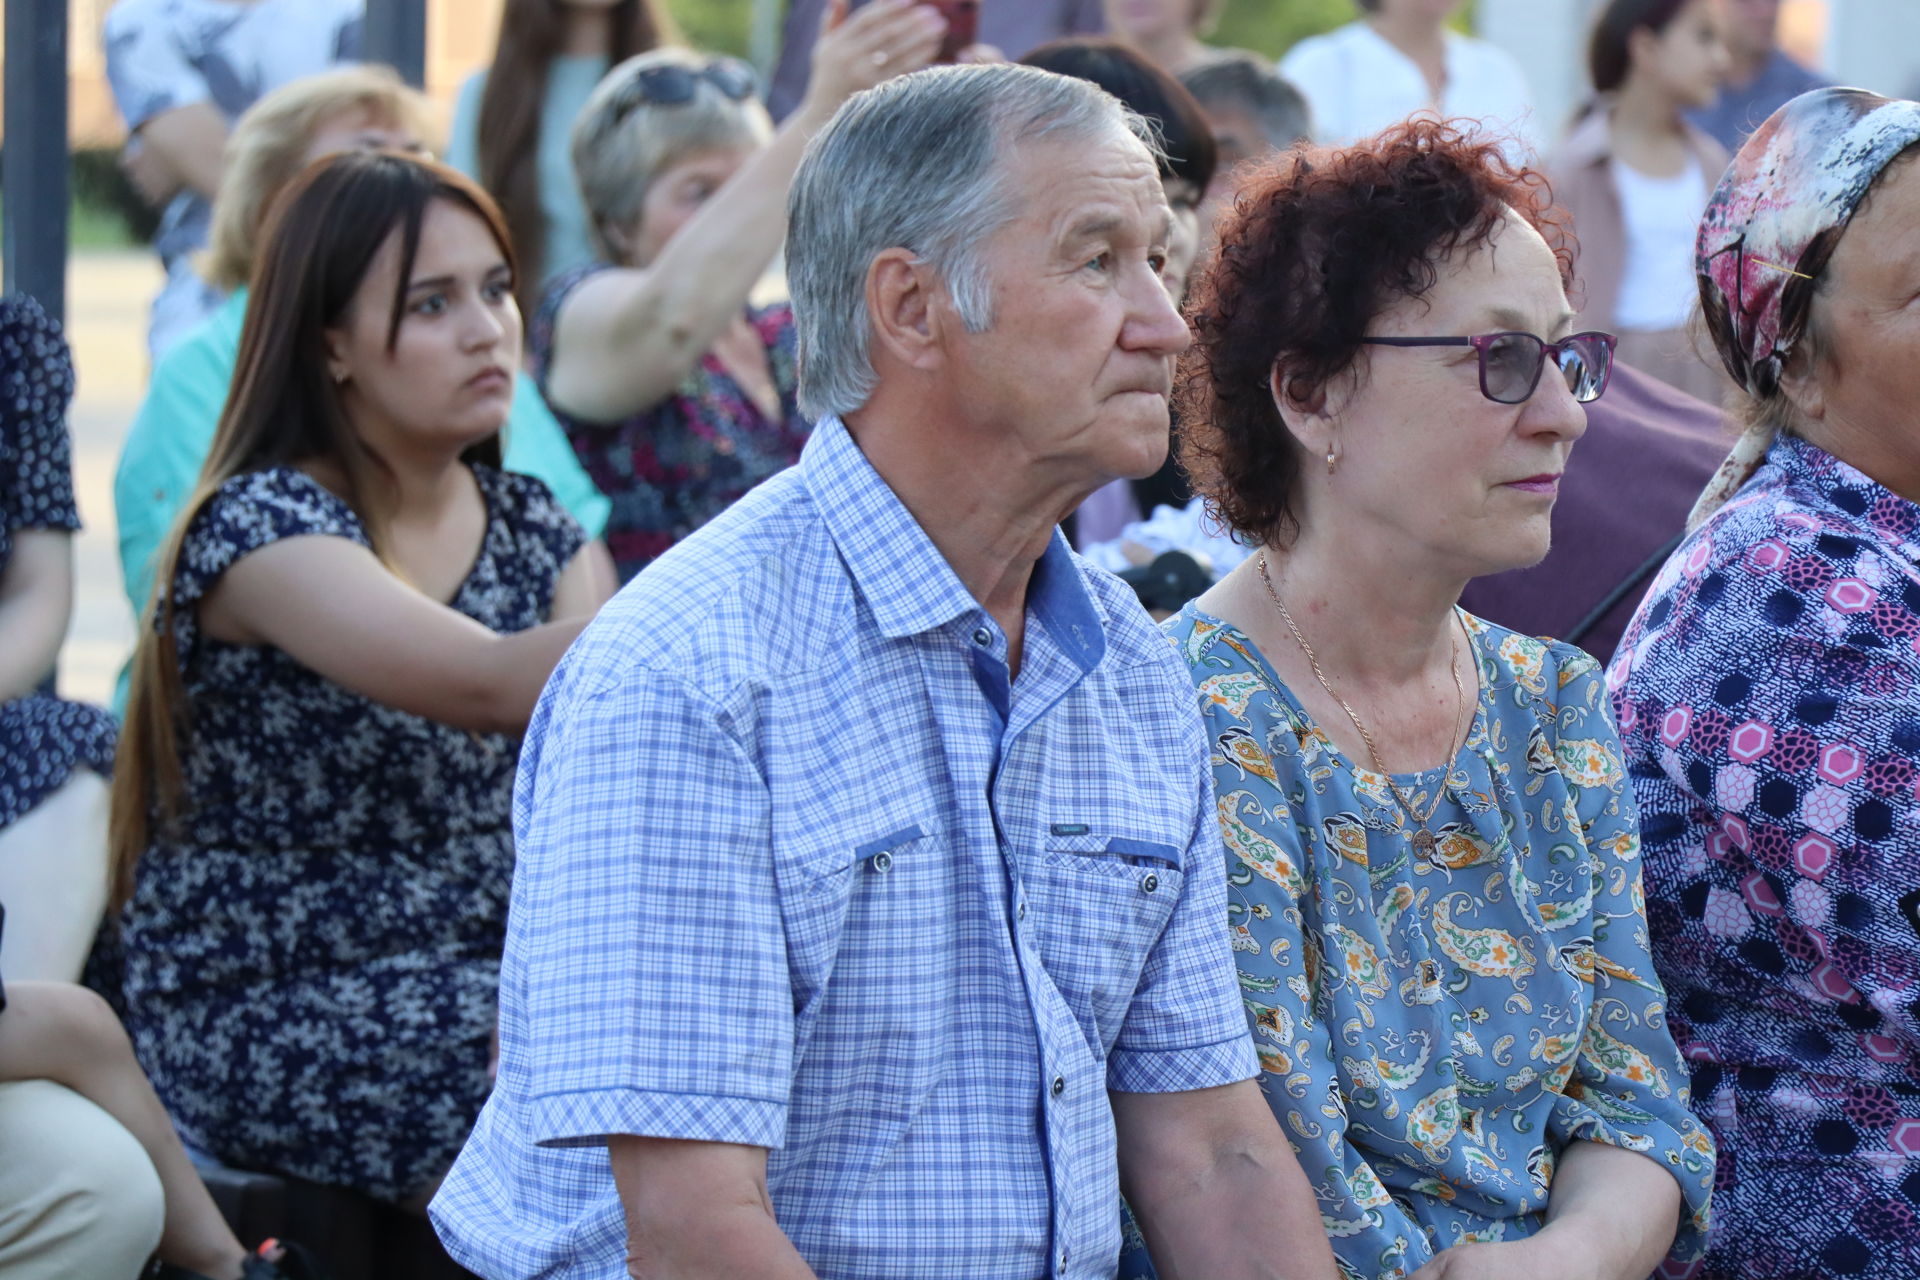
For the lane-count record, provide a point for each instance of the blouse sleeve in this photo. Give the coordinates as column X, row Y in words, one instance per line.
column 1280, row 969
column 36, row 386
column 1629, row 1086
column 248, row 513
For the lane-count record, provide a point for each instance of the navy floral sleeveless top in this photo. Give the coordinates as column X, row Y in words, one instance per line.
column 319, row 934
column 676, row 466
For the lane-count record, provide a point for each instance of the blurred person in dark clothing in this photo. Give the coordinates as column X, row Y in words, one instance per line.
column 1761, row 77
column 1254, row 111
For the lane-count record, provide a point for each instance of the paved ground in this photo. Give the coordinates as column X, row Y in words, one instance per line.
column 107, row 299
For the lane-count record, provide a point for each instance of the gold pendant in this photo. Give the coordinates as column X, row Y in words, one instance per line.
column 1423, row 843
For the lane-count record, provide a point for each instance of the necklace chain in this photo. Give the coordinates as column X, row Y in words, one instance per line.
column 1424, row 840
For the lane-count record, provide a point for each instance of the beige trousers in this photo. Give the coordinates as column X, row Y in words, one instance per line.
column 78, row 1196
column 53, row 882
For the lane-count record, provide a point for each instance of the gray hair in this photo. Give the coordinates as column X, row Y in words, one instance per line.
column 911, row 165
column 1249, row 84
column 622, row 142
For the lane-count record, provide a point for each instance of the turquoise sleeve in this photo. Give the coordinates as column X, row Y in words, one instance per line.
column 463, row 139
column 160, row 461
column 536, row 446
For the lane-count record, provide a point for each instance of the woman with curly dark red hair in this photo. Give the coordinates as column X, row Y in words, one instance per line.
column 1434, row 853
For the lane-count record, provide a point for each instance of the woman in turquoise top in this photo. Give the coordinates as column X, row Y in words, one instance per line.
column 513, row 122
column 160, row 461
column 1432, row 849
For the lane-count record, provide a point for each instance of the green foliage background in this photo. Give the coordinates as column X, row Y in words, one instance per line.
column 1269, row 26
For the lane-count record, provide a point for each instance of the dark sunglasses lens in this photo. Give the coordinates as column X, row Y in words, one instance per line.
column 1509, row 366
column 735, row 79
column 667, row 85
column 1586, row 362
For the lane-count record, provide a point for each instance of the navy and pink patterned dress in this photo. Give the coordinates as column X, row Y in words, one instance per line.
column 1768, row 696
column 676, row 466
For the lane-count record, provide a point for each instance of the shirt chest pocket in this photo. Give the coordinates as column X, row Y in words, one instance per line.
column 1094, row 906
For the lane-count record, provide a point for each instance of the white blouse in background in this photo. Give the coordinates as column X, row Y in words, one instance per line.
column 1357, row 84
column 1661, row 216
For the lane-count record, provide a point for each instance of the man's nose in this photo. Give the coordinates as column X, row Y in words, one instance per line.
column 1156, row 324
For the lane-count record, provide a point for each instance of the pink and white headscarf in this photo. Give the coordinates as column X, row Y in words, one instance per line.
column 1769, row 230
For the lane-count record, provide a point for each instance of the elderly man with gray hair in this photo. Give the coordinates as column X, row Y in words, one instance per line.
column 870, row 915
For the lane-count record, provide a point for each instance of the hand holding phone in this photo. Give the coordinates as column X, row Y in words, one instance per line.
column 963, row 26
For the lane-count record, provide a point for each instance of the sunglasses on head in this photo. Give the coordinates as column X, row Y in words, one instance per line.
column 1510, row 363
column 676, row 82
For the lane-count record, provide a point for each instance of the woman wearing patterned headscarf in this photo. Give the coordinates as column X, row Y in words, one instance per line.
column 1768, row 695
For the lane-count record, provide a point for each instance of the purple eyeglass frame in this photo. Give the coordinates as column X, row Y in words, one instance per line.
column 1483, row 343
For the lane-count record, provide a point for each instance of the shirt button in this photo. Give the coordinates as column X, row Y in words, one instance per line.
column 1059, row 1085
column 983, row 637
column 1020, row 912
column 883, row 862
column 1149, row 882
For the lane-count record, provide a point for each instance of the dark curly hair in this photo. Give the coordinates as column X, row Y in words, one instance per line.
column 1318, row 243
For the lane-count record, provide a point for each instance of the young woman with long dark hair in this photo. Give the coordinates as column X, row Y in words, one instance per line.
column 352, row 622
column 1635, row 176
column 513, row 121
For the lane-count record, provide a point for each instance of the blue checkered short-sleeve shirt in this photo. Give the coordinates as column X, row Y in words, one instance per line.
column 799, row 867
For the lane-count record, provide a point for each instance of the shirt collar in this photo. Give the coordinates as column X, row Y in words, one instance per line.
column 1058, row 598
column 907, row 583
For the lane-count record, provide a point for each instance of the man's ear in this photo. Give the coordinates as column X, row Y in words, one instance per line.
column 901, row 296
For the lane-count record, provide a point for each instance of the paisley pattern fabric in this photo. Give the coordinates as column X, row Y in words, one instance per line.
column 43, row 739
column 313, row 948
column 676, row 466
column 1768, row 694
column 1433, row 1033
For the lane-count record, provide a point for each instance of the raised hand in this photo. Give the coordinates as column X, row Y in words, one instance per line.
column 854, row 52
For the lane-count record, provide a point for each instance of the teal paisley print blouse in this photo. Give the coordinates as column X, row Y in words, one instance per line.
column 1433, row 1033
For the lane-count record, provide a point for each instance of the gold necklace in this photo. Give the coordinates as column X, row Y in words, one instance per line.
column 1424, row 840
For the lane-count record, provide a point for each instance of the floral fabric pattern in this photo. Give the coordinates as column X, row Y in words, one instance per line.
column 313, row 948
column 1768, row 694
column 42, row 738
column 1433, row 1033
column 676, row 466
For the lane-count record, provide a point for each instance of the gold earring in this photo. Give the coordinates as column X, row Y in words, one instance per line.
column 1330, row 457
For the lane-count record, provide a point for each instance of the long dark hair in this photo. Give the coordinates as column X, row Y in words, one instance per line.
column 282, row 409
column 509, row 124
column 1608, row 57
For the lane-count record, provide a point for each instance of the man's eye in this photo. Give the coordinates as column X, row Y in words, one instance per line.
column 1158, row 261
column 1099, row 262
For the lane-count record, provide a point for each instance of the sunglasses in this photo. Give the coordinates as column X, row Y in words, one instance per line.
column 1510, row 363
column 676, row 83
